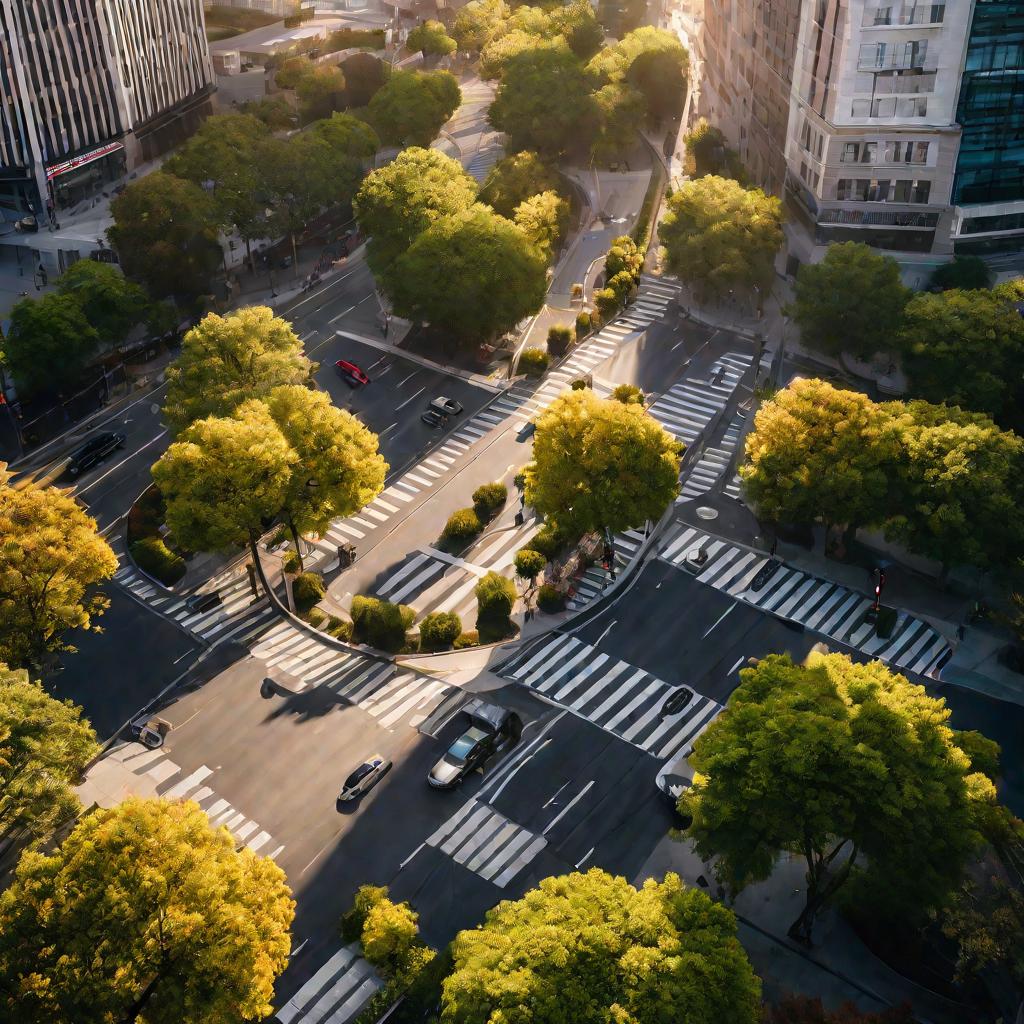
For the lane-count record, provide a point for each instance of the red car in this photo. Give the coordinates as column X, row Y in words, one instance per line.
column 351, row 373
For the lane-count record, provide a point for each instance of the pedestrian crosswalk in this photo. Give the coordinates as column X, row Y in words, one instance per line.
column 688, row 408
column 335, row 993
column 713, row 462
column 380, row 688
column 734, row 488
column 239, row 616
column 594, row 580
column 616, row 696
column 171, row 782
column 487, row 843
column 817, row 604
column 484, row 159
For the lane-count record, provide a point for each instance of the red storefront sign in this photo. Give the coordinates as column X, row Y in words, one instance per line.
column 55, row 170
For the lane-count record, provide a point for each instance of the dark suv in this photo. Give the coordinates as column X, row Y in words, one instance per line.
column 96, row 449
column 493, row 729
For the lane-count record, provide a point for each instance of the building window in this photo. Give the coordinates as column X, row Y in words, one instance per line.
column 884, row 107
column 850, row 152
column 911, row 106
column 921, row 191
column 860, row 108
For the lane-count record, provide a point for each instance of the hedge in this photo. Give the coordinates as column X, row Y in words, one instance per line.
column 468, row 639
column 488, row 499
column 462, row 525
column 307, row 589
column 439, row 630
column 549, row 599
column 495, row 597
column 533, row 361
column 560, row 339
column 156, row 559
column 607, row 302
column 340, row 628
column 529, row 563
column 380, row 624
column 628, row 394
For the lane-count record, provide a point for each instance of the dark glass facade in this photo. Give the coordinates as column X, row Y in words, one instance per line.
column 990, row 168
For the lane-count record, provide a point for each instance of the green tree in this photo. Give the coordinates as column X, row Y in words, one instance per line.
column 365, row 73
column 543, row 219
column 222, row 155
column 476, row 274
column 495, row 598
column 852, row 301
column 529, row 564
column 621, row 110
column 400, row 201
column 349, row 139
column 410, row 108
column 439, row 630
column 510, row 45
column 273, row 111
column 628, row 394
column 144, row 913
column 817, row 452
column 591, row 947
column 600, row 464
column 651, row 60
column 224, row 478
column 477, row 22
column 431, row 40
column 51, row 558
column 967, row 349
column 337, row 469
column 560, row 339
column 45, row 745
column 624, row 255
column 719, row 236
column 165, row 234
column 834, row 762
column 318, row 87
column 957, row 497
column 389, row 933
column 965, row 272
column 227, row 359
column 706, row 146
column 516, row 178
column 578, row 25
column 49, row 343
column 111, row 303
column 544, row 102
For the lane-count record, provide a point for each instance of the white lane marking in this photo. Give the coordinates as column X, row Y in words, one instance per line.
column 127, row 458
column 413, row 399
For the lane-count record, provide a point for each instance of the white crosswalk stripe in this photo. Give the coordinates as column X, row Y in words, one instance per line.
column 486, row 842
column 481, row 164
column 713, row 463
column 170, row 782
column 817, row 604
column 335, row 993
column 380, row 688
column 614, row 695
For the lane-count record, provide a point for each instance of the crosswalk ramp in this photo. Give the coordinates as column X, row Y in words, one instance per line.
column 687, row 408
column 483, row 160
column 172, row 782
column 335, row 993
column 239, row 616
column 487, row 843
column 392, row 696
column 614, row 695
column 817, row 604
column 595, row 579
column 713, row 463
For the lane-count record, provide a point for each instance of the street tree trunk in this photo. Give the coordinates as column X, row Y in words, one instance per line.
column 298, row 542
column 821, row 887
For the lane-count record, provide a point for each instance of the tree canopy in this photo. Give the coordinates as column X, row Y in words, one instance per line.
column 852, row 301
column 476, row 274
column 401, row 200
column 144, row 913
column 224, row 478
column 833, row 762
column 45, row 745
column 599, row 464
column 431, row 39
column 51, row 556
column 165, row 234
column 543, row 219
column 477, row 22
column 49, row 343
column 967, row 348
column 965, row 272
column 111, row 303
column 319, row 87
column 515, row 178
column 719, row 236
column 410, row 108
column 590, row 948
column 544, row 102
column 226, row 359
column 620, row 112
column 651, row 60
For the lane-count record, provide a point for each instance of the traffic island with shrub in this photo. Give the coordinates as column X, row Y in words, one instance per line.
column 463, row 526
column 381, row 624
column 439, row 631
column 152, row 548
column 533, row 362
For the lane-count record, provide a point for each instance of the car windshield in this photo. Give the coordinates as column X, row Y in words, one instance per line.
column 461, row 748
column 358, row 775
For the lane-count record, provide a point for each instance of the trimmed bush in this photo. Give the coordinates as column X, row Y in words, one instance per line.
column 380, row 624
column 154, row 557
column 624, row 255
column 495, row 598
column 438, row 630
column 462, row 525
column 316, row 617
column 469, row 639
column 547, row 541
column 580, row 384
column 307, row 589
column 488, row 499
column 549, row 599
column 533, row 361
column 623, row 285
column 340, row 628
column 529, row 563
column 560, row 339
column 628, row 394
column 146, row 515
column 607, row 302
column 291, row 562
column 584, row 324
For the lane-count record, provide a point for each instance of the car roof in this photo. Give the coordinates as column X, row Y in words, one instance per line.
column 473, row 733
column 493, row 716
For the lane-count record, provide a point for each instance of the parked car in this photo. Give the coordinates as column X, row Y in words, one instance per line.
column 493, row 728
column 95, row 450
column 351, row 373
column 446, row 406
column 676, row 701
column 202, row 602
column 433, row 418
column 364, row 778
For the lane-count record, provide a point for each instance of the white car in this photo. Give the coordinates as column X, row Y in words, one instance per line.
column 446, row 406
column 364, row 778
